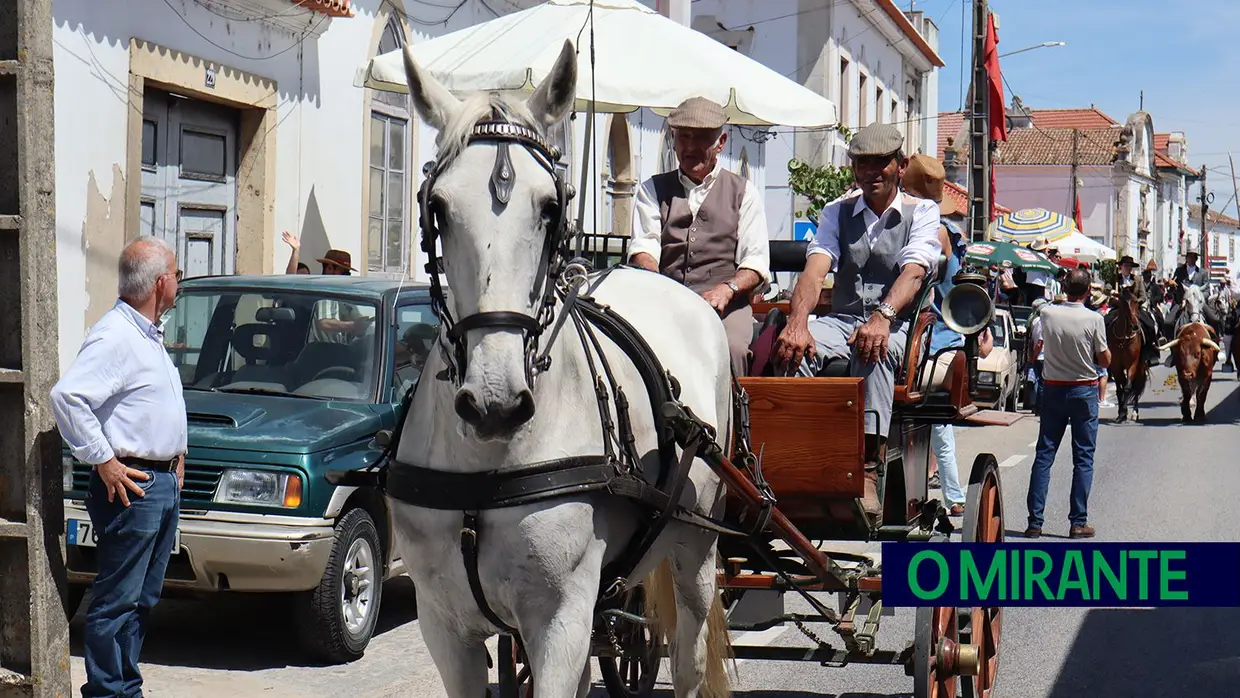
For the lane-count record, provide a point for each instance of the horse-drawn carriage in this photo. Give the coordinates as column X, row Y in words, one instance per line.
column 795, row 476
column 511, row 520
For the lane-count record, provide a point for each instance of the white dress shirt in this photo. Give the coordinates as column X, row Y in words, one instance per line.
column 753, row 249
column 122, row 395
column 923, row 245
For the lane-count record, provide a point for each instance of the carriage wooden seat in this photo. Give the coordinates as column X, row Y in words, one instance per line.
column 810, row 434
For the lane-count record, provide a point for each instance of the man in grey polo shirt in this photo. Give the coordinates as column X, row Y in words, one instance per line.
column 881, row 243
column 1073, row 339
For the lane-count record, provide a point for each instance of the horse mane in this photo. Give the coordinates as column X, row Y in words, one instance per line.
column 478, row 107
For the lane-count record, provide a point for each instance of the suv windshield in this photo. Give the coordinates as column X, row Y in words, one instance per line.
column 998, row 330
column 309, row 345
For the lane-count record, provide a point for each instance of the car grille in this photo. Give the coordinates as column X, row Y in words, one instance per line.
column 200, row 480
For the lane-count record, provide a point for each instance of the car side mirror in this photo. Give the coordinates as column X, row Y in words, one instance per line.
column 383, row 437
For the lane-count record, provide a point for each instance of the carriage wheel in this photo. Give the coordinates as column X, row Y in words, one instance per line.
column 983, row 523
column 515, row 679
column 634, row 673
column 936, row 652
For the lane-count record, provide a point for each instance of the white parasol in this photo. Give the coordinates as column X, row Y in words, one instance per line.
column 641, row 59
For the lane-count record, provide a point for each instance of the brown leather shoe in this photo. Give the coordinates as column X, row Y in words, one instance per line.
column 1032, row 532
column 1085, row 531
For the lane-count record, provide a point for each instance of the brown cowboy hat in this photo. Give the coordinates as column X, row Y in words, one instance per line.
column 337, row 258
column 924, row 177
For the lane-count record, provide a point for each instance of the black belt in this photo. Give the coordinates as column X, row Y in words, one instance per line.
column 164, row 466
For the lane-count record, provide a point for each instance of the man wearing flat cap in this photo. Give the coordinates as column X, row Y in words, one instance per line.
column 704, row 226
column 881, row 244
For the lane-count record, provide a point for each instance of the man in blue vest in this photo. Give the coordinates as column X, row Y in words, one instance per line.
column 881, row 244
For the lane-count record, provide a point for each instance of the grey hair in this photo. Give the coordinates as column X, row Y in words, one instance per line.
column 142, row 262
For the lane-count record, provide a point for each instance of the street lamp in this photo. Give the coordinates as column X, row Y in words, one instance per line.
column 1044, row 44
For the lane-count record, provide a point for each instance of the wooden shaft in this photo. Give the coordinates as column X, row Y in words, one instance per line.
column 741, row 486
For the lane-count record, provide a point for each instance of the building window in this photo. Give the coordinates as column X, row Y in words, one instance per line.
column 863, row 102
column 878, row 104
column 910, row 125
column 844, row 91
column 389, row 150
column 745, row 171
column 667, row 157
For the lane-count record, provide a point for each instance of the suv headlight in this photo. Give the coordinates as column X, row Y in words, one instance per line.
column 986, row 377
column 262, row 487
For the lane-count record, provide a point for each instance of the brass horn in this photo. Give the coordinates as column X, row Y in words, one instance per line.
column 968, row 308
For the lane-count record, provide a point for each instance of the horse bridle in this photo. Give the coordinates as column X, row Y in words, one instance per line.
column 551, row 261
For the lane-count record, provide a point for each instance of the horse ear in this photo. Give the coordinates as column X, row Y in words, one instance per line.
column 555, row 96
column 433, row 101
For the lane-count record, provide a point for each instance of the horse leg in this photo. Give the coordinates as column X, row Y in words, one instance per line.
column 557, row 634
column 1121, row 397
column 699, row 649
column 462, row 662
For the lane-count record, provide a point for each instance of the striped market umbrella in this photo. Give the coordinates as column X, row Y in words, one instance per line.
column 1031, row 224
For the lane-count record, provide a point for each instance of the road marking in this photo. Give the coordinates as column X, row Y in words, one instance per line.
column 756, row 638
column 1033, row 444
column 1012, row 460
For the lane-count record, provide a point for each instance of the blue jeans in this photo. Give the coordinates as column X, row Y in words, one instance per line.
column 943, row 441
column 134, row 545
column 1063, row 405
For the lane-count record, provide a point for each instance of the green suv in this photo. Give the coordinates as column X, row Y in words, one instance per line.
column 285, row 377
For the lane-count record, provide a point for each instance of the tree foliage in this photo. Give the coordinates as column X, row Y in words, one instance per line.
column 1108, row 270
column 821, row 185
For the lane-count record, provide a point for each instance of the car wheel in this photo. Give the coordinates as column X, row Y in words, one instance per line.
column 1011, row 400
column 73, row 599
column 336, row 619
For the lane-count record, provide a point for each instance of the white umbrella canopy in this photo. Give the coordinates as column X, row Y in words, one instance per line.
column 1080, row 246
column 641, row 59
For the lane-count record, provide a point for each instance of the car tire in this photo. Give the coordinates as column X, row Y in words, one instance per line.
column 73, row 599
column 1011, row 401
column 336, row 619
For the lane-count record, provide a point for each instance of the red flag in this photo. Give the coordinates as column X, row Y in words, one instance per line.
column 1076, row 213
column 998, row 112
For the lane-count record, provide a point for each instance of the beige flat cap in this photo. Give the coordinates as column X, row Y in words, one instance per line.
column 697, row 112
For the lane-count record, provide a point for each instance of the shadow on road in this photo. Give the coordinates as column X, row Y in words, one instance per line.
column 241, row 632
column 1153, row 653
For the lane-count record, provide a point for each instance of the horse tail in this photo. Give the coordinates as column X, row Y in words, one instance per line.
column 661, row 608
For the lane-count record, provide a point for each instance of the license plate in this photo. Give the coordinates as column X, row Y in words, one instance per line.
column 81, row 532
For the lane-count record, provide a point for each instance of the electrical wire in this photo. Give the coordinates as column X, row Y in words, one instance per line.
column 207, row 39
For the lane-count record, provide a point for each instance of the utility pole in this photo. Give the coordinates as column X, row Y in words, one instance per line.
column 1205, row 246
column 979, row 130
column 1076, row 139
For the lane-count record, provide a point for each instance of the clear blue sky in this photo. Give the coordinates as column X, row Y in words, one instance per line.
column 1184, row 55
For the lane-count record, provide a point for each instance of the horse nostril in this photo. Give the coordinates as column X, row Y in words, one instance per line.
column 467, row 407
column 522, row 410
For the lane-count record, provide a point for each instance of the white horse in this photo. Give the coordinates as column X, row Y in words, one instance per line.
column 539, row 564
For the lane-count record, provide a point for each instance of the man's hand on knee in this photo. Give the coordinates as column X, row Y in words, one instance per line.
column 871, row 340
column 794, row 344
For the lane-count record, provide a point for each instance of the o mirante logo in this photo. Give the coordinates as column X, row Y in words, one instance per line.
column 1061, row 574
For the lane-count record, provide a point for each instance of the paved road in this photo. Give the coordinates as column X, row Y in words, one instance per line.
column 1157, row 480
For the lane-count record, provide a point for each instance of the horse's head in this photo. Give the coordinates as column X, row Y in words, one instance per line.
column 1194, row 303
column 496, row 205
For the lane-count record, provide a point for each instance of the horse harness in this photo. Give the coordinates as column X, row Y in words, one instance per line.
column 618, row 469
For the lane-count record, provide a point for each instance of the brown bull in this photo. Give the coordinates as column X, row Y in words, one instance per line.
column 1193, row 354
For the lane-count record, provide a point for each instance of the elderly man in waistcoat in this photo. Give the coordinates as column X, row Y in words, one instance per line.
column 881, row 244
column 704, row 226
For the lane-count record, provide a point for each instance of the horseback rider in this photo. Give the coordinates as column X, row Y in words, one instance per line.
column 1128, row 278
column 704, row 226
column 881, row 245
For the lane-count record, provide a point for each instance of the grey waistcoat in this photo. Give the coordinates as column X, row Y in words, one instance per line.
column 865, row 275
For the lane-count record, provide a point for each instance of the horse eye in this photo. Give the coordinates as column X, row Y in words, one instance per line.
column 550, row 212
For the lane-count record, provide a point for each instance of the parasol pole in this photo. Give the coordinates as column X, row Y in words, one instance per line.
column 586, row 154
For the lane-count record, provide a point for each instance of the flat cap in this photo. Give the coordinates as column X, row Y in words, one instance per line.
column 875, row 140
column 697, row 112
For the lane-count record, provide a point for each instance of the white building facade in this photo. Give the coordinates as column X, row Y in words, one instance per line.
column 219, row 124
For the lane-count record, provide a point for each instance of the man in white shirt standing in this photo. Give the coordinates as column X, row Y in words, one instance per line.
column 880, row 243
column 704, row 226
column 121, row 410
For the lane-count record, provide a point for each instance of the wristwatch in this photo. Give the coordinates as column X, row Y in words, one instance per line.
column 886, row 310
column 732, row 285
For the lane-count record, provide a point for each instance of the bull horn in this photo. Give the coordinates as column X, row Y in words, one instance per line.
column 1169, row 345
column 1210, row 343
